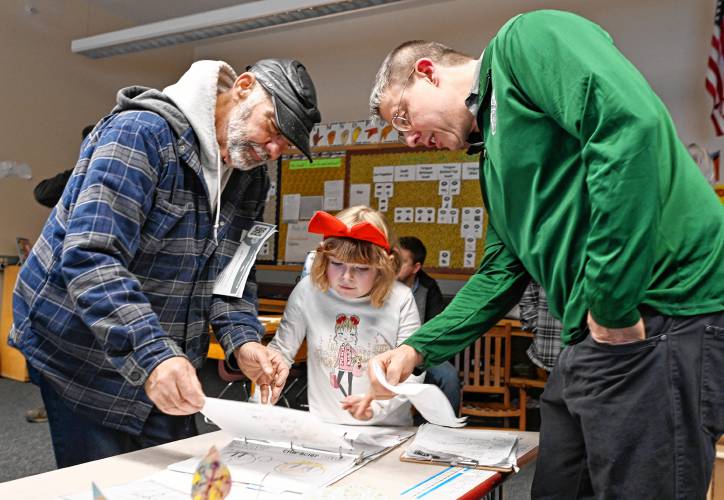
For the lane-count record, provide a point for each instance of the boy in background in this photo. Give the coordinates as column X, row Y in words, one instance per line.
column 429, row 301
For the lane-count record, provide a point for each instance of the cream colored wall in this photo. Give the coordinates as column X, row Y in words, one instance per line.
column 666, row 39
column 48, row 94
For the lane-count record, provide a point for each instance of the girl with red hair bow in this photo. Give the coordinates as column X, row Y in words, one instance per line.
column 350, row 308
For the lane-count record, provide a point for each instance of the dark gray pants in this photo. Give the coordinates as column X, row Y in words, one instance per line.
column 635, row 421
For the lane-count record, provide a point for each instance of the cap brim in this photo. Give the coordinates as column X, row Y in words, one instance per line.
column 292, row 127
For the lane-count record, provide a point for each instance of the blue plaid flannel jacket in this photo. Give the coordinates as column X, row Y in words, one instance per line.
column 121, row 277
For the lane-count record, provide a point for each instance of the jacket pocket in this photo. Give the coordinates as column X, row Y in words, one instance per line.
column 160, row 223
column 712, row 381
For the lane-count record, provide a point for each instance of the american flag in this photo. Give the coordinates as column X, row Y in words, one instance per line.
column 714, row 83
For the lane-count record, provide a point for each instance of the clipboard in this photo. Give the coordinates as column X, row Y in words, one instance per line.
column 526, row 453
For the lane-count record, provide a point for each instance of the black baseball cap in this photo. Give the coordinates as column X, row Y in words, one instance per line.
column 294, row 97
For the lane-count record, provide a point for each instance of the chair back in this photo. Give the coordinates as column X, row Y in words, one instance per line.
column 486, row 363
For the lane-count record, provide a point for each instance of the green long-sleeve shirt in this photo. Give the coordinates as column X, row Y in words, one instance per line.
column 588, row 189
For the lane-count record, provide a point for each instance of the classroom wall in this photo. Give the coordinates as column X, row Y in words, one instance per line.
column 666, row 39
column 48, row 94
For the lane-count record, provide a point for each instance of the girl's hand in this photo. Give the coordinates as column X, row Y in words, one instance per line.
column 358, row 406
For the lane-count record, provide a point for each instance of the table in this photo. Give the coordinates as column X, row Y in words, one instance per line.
column 388, row 474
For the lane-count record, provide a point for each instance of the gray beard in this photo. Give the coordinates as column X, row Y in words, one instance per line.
column 238, row 144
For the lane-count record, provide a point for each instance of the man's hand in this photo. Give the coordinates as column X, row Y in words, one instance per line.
column 174, row 387
column 616, row 335
column 397, row 365
column 265, row 367
column 358, row 406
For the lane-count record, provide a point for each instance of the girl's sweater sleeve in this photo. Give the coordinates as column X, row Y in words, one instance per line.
column 292, row 328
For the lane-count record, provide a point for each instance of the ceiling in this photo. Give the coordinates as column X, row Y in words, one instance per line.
column 138, row 12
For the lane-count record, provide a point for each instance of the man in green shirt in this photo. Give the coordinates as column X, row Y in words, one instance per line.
column 590, row 193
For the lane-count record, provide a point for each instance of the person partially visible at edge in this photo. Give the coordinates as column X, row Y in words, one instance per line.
column 535, row 316
column 591, row 194
column 114, row 304
column 48, row 191
column 430, row 303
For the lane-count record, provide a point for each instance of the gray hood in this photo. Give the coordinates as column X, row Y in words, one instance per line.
column 195, row 94
column 139, row 98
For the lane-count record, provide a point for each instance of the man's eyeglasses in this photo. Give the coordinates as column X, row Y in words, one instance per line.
column 400, row 120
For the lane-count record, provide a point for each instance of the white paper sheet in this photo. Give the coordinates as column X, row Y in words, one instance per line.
column 469, row 259
column 427, row 398
column 450, row 171
column 359, row 194
column 444, row 258
column 384, row 190
column 453, row 482
column 425, row 215
column 405, row 173
column 404, row 215
column 158, row 485
column 472, row 214
column 334, row 195
column 272, row 423
column 383, row 174
column 471, row 244
column 383, row 204
column 290, row 207
column 486, row 447
column 277, row 468
column 299, row 242
column 471, row 171
column 427, row 173
column 232, row 279
column 309, row 205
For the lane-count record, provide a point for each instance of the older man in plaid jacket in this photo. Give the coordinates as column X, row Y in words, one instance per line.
column 114, row 304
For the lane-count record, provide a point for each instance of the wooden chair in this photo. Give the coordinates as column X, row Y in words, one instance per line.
column 271, row 306
column 486, row 371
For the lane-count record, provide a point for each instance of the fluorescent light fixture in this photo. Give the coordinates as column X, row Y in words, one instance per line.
column 242, row 18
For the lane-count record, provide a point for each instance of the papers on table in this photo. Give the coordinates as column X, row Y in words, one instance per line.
column 232, row 279
column 427, row 398
column 273, row 424
column 472, row 447
column 172, row 485
column 453, row 482
column 278, row 469
column 279, row 452
column 280, row 449
column 163, row 484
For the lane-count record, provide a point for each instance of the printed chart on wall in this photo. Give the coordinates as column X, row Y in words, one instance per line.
column 268, row 249
column 433, row 195
column 305, row 188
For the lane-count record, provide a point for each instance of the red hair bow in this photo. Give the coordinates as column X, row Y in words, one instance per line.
column 331, row 227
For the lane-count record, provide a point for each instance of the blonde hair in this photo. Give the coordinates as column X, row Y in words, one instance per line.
column 362, row 252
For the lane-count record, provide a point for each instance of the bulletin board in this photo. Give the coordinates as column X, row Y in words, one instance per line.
column 425, row 202
column 308, row 181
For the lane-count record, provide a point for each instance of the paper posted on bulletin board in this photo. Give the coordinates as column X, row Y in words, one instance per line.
column 268, row 249
column 305, row 188
column 433, row 195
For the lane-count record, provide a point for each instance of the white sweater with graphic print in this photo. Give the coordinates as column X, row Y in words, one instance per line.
column 342, row 335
